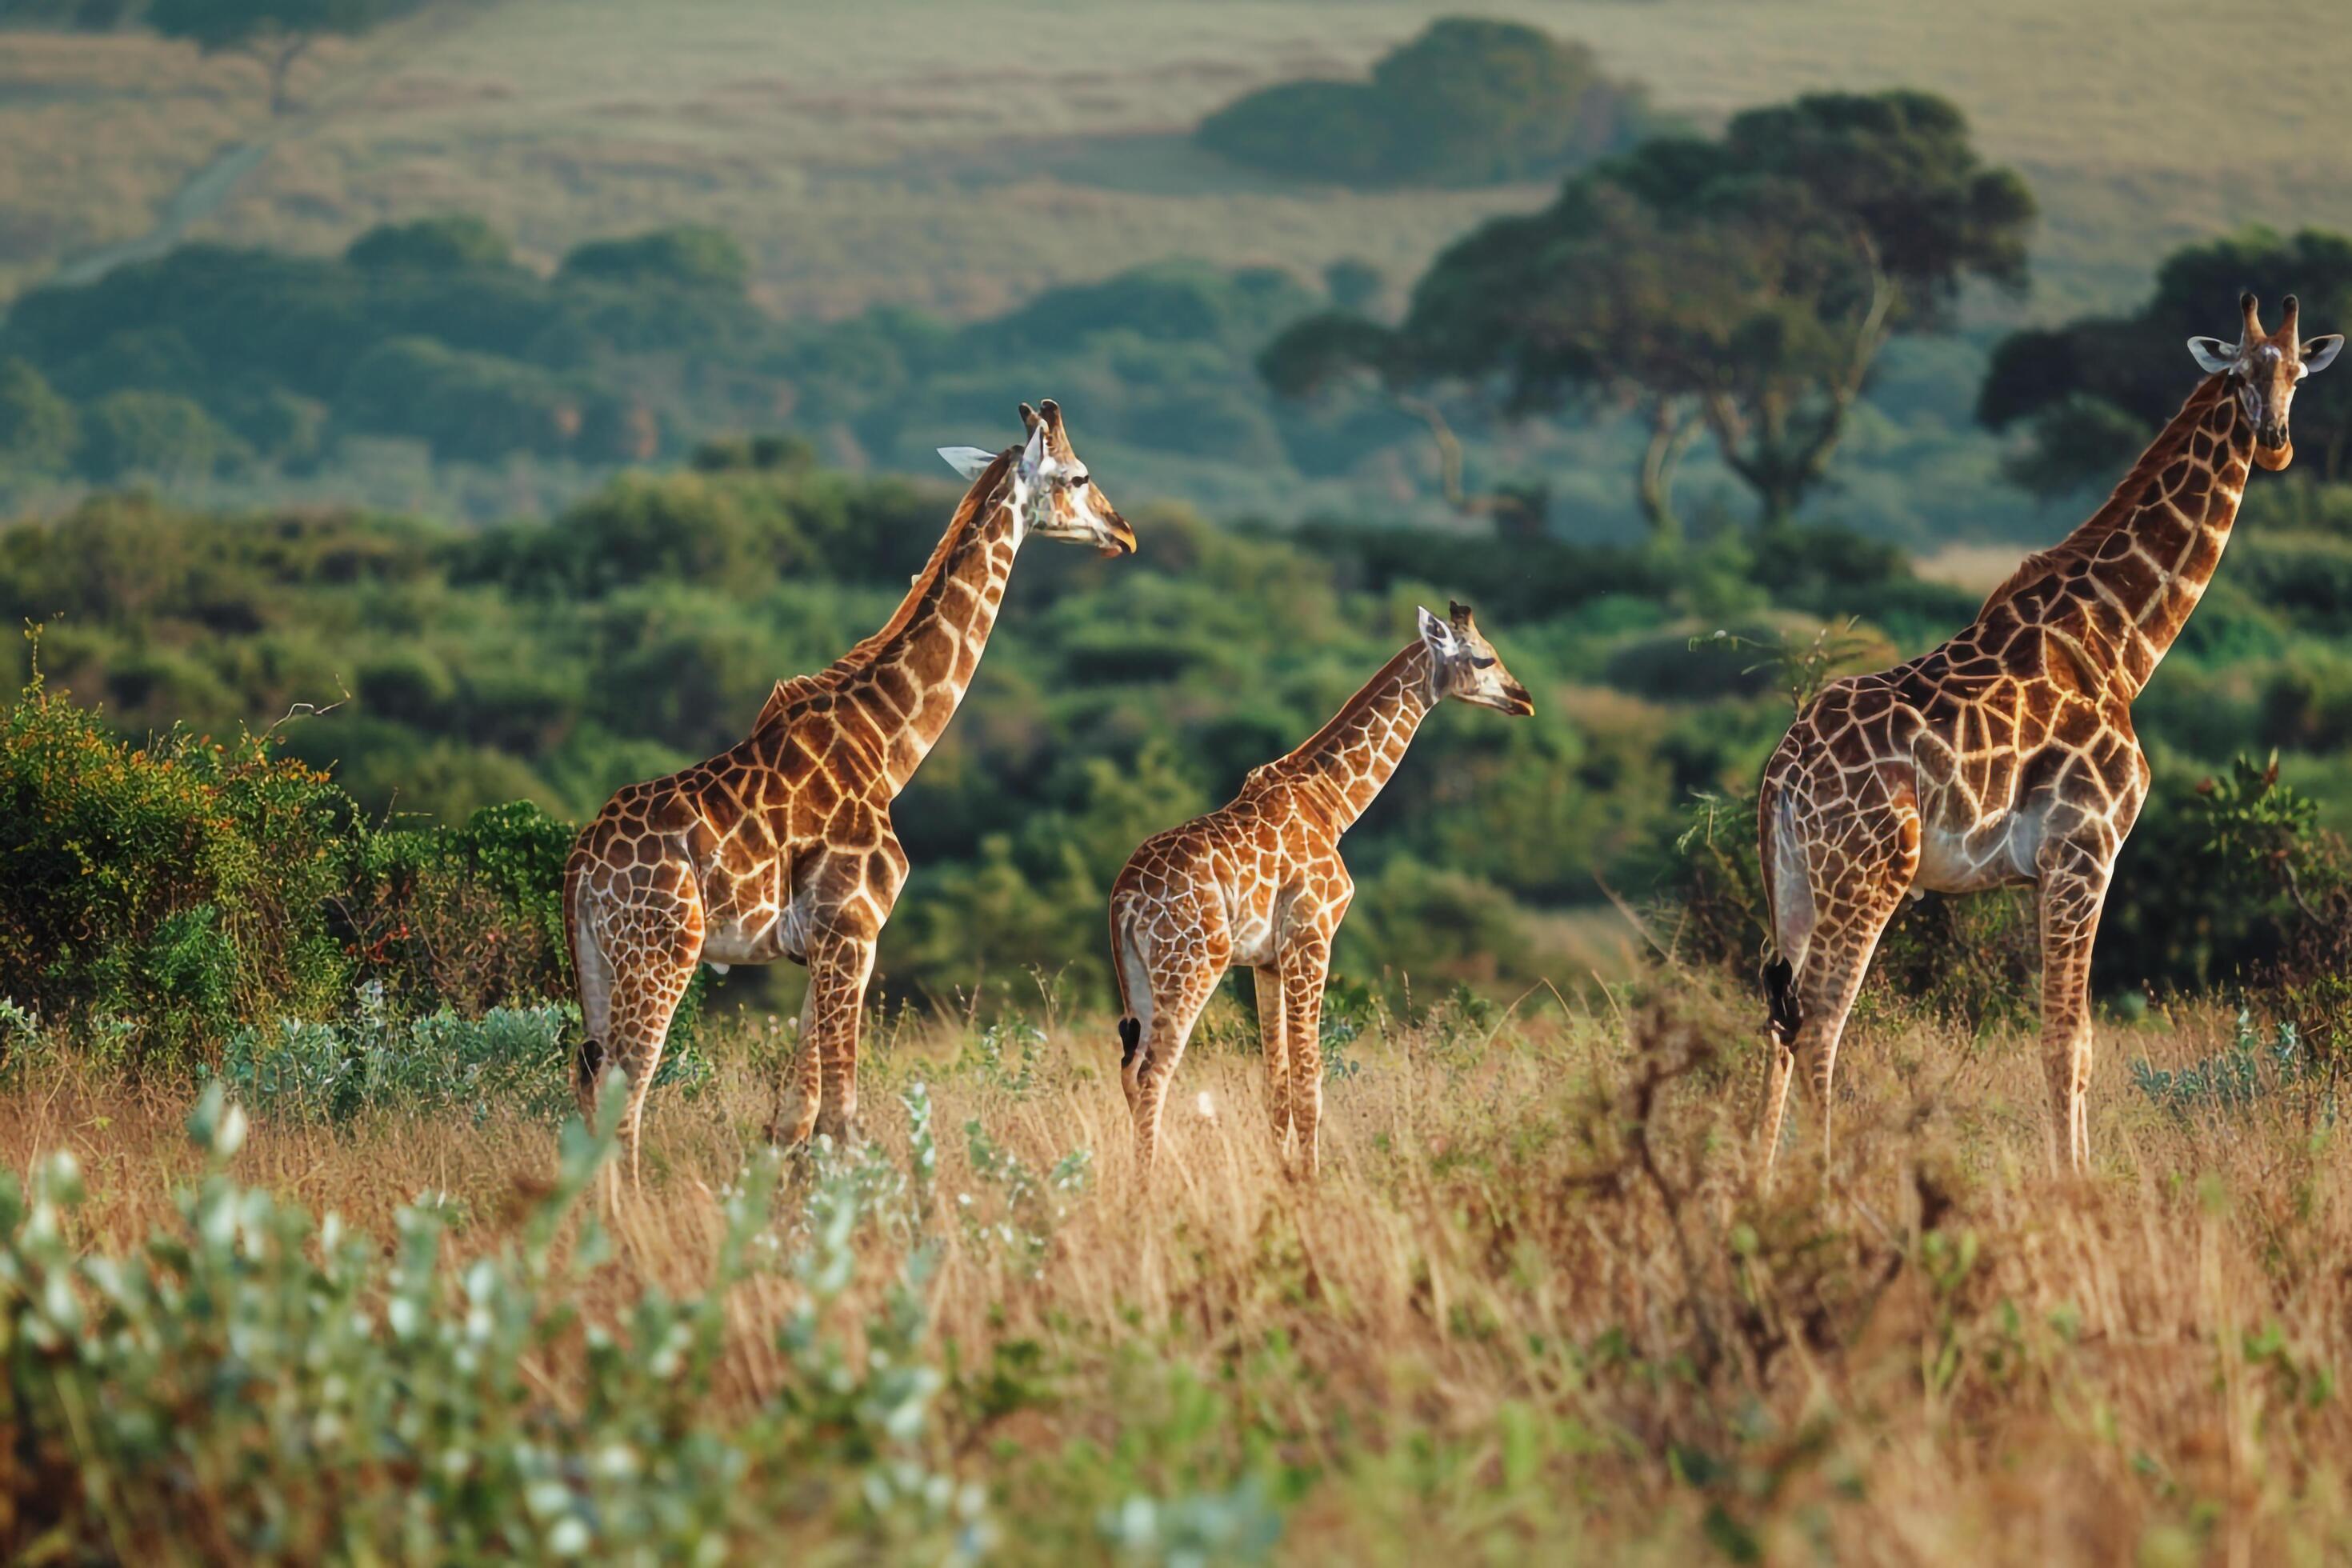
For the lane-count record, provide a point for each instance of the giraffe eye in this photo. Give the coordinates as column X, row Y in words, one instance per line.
column 1075, row 479
column 1479, row 662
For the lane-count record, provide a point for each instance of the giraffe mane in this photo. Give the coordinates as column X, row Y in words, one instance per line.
column 982, row 494
column 2124, row 501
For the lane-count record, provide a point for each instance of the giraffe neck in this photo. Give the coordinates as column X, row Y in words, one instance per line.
column 1349, row 761
column 905, row 681
column 2147, row 555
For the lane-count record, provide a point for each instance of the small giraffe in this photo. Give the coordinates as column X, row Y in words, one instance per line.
column 2007, row 755
column 1259, row 881
column 782, row 846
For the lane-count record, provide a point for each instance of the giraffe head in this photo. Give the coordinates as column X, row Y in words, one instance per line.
column 2264, row 368
column 1464, row 664
column 1054, row 493
column 1063, row 501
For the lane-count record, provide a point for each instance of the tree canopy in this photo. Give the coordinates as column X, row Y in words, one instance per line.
column 1466, row 102
column 1742, row 284
column 277, row 32
column 2093, row 391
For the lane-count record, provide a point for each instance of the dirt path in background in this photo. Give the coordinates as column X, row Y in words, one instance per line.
column 190, row 202
column 211, row 187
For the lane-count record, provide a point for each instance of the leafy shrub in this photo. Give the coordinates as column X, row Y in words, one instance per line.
column 178, row 885
column 457, row 242
column 688, row 255
column 514, row 1059
column 1467, row 102
column 469, row 916
column 160, row 434
column 2231, row 1082
column 39, row 428
column 285, row 1388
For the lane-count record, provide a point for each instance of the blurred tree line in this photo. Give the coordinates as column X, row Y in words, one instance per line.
column 548, row 662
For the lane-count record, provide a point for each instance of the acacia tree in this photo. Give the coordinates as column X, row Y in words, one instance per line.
column 2093, row 391
column 276, row 32
column 1742, row 287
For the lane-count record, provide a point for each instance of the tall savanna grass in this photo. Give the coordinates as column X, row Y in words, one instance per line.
column 1535, row 1308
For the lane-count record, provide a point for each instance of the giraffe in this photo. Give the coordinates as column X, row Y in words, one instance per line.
column 1259, row 881
column 2007, row 755
column 780, row 847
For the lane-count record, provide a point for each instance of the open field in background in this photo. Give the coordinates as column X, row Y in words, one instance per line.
column 1535, row 1305
column 964, row 156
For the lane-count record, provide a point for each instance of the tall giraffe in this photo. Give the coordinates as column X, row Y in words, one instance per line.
column 1259, row 881
column 2007, row 755
column 780, row 847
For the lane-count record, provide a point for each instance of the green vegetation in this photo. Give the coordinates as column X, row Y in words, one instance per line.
column 2093, row 391
column 1745, row 286
column 1466, row 102
column 275, row 32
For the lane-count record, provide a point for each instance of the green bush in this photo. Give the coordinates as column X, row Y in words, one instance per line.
column 159, row 433
column 179, row 885
column 284, row 1389
column 1467, row 102
column 39, row 428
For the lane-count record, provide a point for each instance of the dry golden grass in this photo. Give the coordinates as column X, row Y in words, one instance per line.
column 1534, row 1308
column 965, row 155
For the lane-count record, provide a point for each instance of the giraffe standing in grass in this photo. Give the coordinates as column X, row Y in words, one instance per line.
column 2007, row 755
column 780, row 847
column 1259, row 881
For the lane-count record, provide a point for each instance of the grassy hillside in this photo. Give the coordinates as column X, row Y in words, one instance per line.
column 964, row 155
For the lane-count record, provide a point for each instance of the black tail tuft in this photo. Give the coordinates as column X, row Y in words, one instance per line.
column 1130, row 1040
column 592, row 1065
column 1781, row 995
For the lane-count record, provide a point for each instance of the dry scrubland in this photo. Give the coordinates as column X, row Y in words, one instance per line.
column 964, row 155
column 1533, row 1305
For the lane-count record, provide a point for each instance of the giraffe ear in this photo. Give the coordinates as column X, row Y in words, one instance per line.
column 1438, row 635
column 968, row 461
column 2212, row 355
column 1032, row 456
column 2320, row 353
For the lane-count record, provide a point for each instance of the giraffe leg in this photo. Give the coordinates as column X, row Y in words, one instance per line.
column 1269, row 979
column 1779, row 1068
column 839, row 966
column 1305, row 965
column 646, row 949
column 1858, row 866
column 1176, row 1003
column 1835, row 964
column 2074, row 880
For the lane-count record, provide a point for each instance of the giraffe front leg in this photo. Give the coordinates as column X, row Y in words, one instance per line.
column 827, row 1072
column 1269, row 979
column 2073, row 890
column 1305, row 967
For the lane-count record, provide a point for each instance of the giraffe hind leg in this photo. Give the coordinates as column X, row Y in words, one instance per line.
column 1268, row 980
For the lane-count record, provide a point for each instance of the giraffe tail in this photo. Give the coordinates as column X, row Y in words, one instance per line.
column 1781, row 999
column 1127, row 966
column 594, row 976
column 1789, row 911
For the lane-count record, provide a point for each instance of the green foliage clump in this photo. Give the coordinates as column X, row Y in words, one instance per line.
column 178, row 885
column 688, row 256
column 2093, row 390
column 281, row 1387
column 39, row 428
column 1742, row 285
column 1466, row 102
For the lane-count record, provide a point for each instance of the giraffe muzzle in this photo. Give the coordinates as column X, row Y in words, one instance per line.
column 2273, row 449
column 1118, row 538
